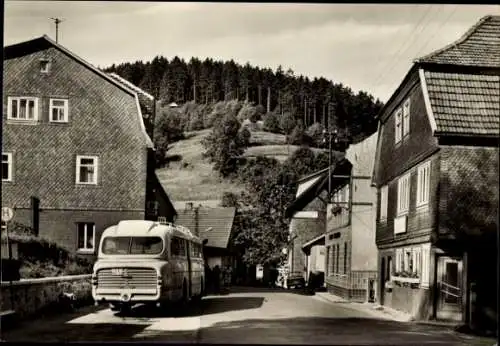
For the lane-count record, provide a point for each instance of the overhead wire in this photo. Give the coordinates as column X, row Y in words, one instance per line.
column 399, row 61
column 396, row 55
column 436, row 31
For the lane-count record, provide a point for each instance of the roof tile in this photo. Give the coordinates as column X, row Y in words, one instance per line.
column 480, row 46
column 220, row 220
column 465, row 103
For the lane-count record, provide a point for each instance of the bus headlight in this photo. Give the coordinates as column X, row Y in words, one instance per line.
column 160, row 281
column 94, row 280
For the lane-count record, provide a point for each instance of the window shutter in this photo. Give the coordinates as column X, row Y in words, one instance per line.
column 406, row 117
column 426, row 256
column 417, row 260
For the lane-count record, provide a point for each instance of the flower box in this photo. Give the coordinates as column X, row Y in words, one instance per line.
column 405, row 279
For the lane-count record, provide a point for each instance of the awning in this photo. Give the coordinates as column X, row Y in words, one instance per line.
column 340, row 177
column 320, row 240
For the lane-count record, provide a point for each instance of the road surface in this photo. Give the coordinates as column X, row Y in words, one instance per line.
column 253, row 316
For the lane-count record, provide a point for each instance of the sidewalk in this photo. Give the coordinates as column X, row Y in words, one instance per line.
column 373, row 309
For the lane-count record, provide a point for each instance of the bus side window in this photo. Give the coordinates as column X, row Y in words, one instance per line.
column 182, row 247
column 192, row 249
column 174, row 246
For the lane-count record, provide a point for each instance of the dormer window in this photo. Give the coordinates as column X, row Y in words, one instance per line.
column 44, row 65
column 402, row 122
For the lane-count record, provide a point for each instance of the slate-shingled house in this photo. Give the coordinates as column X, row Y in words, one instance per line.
column 76, row 157
column 214, row 225
column 436, row 171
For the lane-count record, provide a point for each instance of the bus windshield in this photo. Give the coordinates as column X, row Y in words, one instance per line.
column 132, row 245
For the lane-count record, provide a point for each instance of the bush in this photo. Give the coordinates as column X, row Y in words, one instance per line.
column 195, row 123
column 225, row 144
column 80, row 289
column 43, row 258
column 229, row 199
column 271, row 123
column 299, row 136
column 315, row 132
column 33, row 270
column 247, row 112
column 287, row 123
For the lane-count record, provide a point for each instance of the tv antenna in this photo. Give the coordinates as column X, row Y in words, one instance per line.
column 57, row 21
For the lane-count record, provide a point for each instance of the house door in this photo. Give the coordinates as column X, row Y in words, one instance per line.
column 449, row 281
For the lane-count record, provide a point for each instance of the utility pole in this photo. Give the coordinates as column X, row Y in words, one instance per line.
column 57, row 21
column 330, row 133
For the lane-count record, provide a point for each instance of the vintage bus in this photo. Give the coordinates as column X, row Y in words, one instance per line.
column 148, row 262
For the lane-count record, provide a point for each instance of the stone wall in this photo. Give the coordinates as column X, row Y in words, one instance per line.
column 30, row 296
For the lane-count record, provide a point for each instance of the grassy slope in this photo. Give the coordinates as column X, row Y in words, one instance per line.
column 198, row 181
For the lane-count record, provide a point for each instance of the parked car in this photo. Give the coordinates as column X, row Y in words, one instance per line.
column 295, row 280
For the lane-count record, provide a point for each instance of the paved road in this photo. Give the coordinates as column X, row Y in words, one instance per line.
column 278, row 317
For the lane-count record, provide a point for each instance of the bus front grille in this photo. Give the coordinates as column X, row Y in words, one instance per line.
column 132, row 278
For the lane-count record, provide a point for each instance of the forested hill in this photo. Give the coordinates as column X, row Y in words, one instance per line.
column 210, row 81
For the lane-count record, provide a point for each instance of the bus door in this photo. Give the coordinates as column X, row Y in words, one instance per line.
column 190, row 267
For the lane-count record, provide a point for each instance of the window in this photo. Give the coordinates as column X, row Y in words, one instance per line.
column 404, row 194
column 22, row 108
column 178, row 247
column 398, row 130
column 132, row 245
column 423, row 182
column 6, row 167
column 327, row 261
column 383, row 202
column 425, row 261
column 416, row 261
column 85, row 236
column 194, row 251
column 146, row 245
column 58, row 111
column 399, row 260
column 86, row 169
column 334, row 256
column 337, row 259
column 406, row 117
column 408, row 260
column 330, row 260
column 345, row 258
column 44, row 65
column 153, row 208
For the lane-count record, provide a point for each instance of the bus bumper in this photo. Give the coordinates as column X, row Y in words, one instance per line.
column 126, row 296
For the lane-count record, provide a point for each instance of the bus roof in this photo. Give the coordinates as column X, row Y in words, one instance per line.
column 138, row 228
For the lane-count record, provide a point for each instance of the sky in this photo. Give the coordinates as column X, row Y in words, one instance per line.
column 365, row 47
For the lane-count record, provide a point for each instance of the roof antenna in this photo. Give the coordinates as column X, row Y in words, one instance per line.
column 57, row 21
